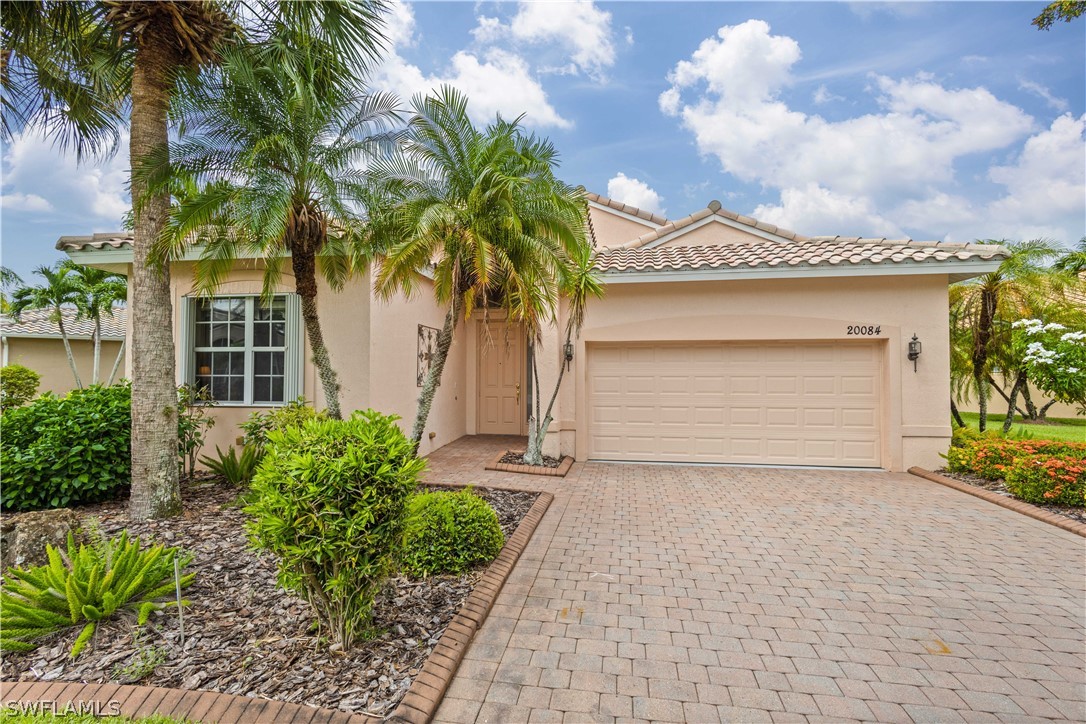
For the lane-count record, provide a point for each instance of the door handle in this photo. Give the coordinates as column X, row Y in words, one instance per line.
column 518, row 393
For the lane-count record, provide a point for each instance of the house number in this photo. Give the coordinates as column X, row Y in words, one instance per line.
column 864, row 330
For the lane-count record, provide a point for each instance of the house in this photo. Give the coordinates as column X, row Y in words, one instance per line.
column 34, row 341
column 721, row 339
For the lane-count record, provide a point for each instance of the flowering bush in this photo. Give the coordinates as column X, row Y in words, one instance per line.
column 992, row 459
column 1055, row 358
column 1049, row 480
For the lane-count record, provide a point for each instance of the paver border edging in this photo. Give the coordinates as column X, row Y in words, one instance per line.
column 559, row 472
column 1033, row 511
column 421, row 701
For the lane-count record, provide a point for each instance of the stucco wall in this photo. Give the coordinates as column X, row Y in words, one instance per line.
column 713, row 233
column 998, row 405
column 613, row 230
column 48, row 358
column 916, row 412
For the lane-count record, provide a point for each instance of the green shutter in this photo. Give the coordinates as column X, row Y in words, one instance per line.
column 294, row 359
column 187, row 341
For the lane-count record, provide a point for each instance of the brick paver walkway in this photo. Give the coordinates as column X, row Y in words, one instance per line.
column 676, row 593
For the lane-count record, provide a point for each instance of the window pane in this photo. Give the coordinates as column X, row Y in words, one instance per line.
column 260, row 334
column 237, row 363
column 277, row 389
column 261, row 363
column 261, row 389
column 203, row 364
column 220, row 388
column 220, row 363
column 277, row 360
column 203, row 310
column 279, row 335
column 276, row 310
column 203, row 335
column 203, row 382
column 237, row 389
column 237, row 335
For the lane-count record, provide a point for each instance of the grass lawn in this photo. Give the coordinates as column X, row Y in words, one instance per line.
column 1069, row 429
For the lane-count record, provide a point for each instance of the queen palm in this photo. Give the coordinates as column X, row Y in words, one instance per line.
column 96, row 293
column 74, row 67
column 271, row 167
column 482, row 212
column 58, row 293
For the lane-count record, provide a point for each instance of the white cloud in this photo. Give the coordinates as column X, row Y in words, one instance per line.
column 822, row 95
column 882, row 173
column 494, row 80
column 1060, row 104
column 24, row 202
column 635, row 193
column 53, row 183
column 577, row 25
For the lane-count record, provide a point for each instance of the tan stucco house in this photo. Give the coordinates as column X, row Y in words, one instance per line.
column 721, row 339
column 34, row 341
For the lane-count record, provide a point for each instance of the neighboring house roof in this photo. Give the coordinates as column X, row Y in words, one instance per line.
column 625, row 208
column 38, row 323
column 107, row 240
column 818, row 254
column 713, row 212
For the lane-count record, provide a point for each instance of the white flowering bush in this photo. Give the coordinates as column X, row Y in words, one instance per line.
column 1055, row 358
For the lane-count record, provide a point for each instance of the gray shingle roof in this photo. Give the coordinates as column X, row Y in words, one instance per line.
column 37, row 323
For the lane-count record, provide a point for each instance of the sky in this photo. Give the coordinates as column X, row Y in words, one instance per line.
column 934, row 121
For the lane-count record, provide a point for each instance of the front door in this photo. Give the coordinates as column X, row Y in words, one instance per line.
column 501, row 380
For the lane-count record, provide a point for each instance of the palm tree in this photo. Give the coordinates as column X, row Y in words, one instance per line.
column 985, row 307
column 96, row 293
column 271, row 167
column 481, row 212
column 8, row 279
column 58, row 293
column 75, row 66
column 1073, row 261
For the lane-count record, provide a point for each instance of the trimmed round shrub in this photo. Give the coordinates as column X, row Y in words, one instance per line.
column 450, row 533
column 1048, row 480
column 330, row 501
column 18, row 385
column 62, row 451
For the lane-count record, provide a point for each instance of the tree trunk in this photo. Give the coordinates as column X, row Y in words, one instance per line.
column 155, row 489
column 433, row 376
column 999, row 388
column 68, row 350
column 1030, row 407
column 305, row 279
column 1008, row 421
column 535, row 442
column 116, row 363
column 1042, row 414
column 97, row 349
column 982, row 404
column 981, row 339
column 957, row 415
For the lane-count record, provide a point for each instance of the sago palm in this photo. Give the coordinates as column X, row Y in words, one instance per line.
column 270, row 167
column 479, row 211
column 59, row 292
column 77, row 68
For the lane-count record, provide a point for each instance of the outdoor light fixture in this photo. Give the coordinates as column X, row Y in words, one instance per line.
column 569, row 354
column 914, row 350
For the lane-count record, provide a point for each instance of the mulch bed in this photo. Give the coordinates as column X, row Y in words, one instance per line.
column 245, row 635
column 517, row 458
column 997, row 486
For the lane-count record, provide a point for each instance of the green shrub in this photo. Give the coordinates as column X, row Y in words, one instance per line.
column 330, row 503
column 193, row 420
column 992, row 458
column 292, row 414
column 236, row 470
column 89, row 584
column 450, row 533
column 1048, row 480
column 18, row 385
column 62, row 451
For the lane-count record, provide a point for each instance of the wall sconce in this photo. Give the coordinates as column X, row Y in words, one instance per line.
column 569, row 354
column 914, row 350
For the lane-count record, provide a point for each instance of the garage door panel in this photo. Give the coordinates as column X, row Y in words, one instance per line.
column 788, row 403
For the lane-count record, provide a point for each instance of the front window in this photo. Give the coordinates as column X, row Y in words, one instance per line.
column 240, row 346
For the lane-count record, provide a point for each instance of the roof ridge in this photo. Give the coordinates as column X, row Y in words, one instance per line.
column 625, row 208
column 714, row 208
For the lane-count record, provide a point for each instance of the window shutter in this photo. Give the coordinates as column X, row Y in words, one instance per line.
column 292, row 379
column 187, row 341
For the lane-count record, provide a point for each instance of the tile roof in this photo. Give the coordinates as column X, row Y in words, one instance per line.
column 713, row 209
column 818, row 251
column 625, row 208
column 37, row 323
column 107, row 240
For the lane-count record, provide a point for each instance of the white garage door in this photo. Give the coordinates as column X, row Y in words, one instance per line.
column 759, row 403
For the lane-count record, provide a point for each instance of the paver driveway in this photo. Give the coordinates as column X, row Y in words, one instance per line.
column 678, row 593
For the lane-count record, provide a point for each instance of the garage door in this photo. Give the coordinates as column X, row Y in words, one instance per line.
column 758, row 403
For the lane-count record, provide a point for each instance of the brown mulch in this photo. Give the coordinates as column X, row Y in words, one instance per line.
column 244, row 635
column 997, row 486
column 517, row 458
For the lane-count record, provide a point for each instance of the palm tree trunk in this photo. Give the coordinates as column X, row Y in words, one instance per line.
column 981, row 340
column 155, row 489
column 535, row 441
column 1012, row 405
column 68, row 349
column 433, row 376
column 305, row 279
column 957, row 415
column 982, row 404
column 97, row 349
column 116, row 363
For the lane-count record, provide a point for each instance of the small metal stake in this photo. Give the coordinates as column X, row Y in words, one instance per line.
column 177, row 588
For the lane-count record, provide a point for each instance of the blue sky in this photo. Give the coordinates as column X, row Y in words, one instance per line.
column 948, row 121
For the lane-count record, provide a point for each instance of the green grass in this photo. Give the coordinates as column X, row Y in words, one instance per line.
column 1066, row 429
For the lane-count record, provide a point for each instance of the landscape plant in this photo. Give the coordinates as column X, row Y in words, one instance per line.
column 88, row 584
column 57, row 292
column 193, row 421
column 64, row 451
column 293, row 414
column 236, row 470
column 329, row 500
column 1048, row 480
column 1055, row 357
column 449, row 532
column 18, row 385
column 97, row 292
column 991, row 458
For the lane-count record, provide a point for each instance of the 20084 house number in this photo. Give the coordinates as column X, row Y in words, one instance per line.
column 864, row 330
